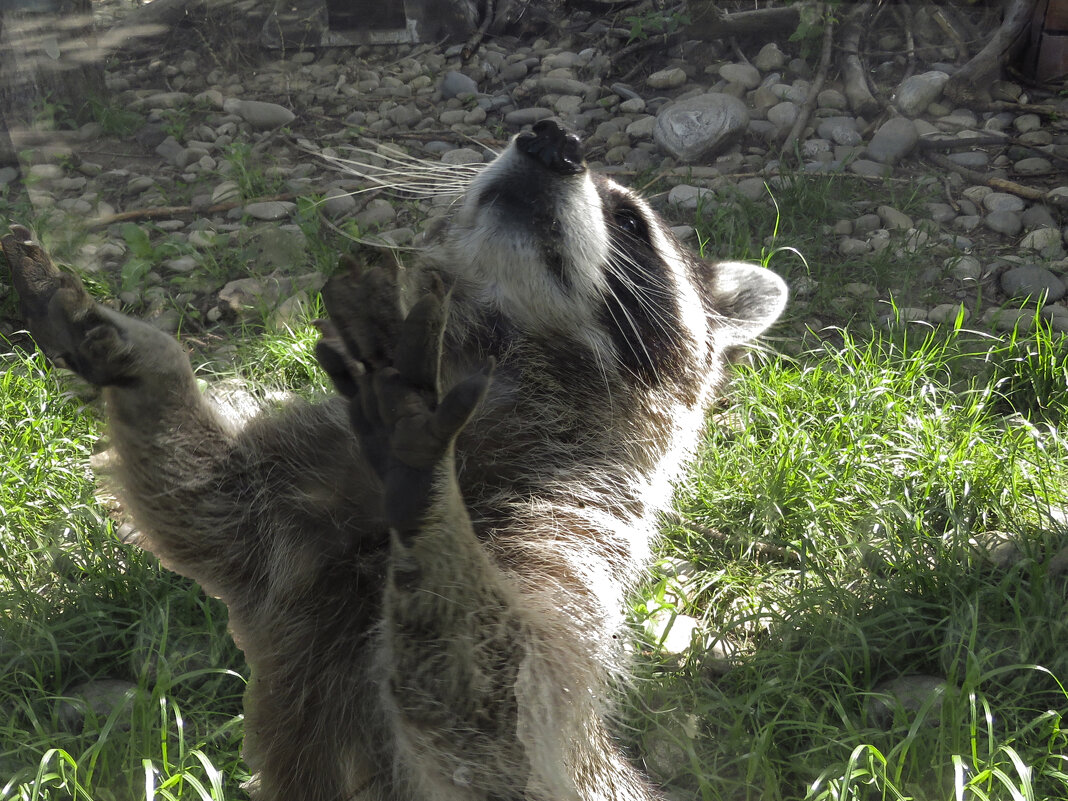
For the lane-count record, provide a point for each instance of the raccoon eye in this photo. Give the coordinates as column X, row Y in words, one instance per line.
column 630, row 222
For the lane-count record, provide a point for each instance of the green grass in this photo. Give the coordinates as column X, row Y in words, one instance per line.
column 76, row 606
column 876, row 508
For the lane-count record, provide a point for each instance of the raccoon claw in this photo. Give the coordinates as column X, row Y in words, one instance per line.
column 61, row 316
column 388, row 368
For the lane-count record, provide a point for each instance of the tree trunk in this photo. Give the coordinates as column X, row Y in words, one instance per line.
column 971, row 83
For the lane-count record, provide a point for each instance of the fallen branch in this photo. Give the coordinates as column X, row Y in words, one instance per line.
column 789, row 144
column 707, row 21
column 166, row 212
column 1000, row 184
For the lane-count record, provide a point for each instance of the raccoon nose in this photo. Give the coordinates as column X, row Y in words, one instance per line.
column 554, row 146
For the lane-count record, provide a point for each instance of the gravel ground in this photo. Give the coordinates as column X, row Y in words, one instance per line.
column 227, row 146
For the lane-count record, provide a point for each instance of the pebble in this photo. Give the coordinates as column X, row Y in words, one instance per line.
column 271, row 209
column 456, row 84
column 671, row 78
column 1002, row 201
column 1032, row 282
column 261, row 115
column 906, row 696
column 893, row 140
column 1004, row 222
column 745, row 75
column 917, row 92
column 1042, row 239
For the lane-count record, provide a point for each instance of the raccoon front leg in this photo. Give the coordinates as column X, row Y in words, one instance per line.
column 172, row 448
column 454, row 639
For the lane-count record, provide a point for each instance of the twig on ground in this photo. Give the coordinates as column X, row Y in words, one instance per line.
column 1000, row 184
column 805, row 112
column 165, row 212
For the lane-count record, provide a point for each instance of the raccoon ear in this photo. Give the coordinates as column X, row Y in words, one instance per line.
column 749, row 297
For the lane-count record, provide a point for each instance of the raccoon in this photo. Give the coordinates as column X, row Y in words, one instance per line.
column 427, row 572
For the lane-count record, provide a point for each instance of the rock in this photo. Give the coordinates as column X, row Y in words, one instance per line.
column 908, row 696
column 965, row 268
column 1042, row 239
column 94, row 702
column 700, row 126
column 893, row 140
column 456, row 84
column 259, row 114
column 667, row 79
column 1033, row 166
column 745, row 75
column 1023, row 321
column 832, row 99
column 271, row 209
column 770, row 58
column 894, row 219
column 171, row 151
column 841, row 130
column 378, row 213
column 917, row 92
column 1026, row 123
column 1003, row 222
column 1032, row 282
column 244, row 294
column 338, row 203
column 1002, row 201
column 947, row 313
column 527, row 116
column 783, row 115
column 672, row 632
column 687, row 197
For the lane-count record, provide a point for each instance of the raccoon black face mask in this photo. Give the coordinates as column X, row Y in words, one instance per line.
column 427, row 572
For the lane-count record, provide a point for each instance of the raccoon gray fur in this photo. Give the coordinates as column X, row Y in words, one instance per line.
column 427, row 572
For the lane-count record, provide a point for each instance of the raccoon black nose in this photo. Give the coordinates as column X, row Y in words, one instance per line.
column 554, row 146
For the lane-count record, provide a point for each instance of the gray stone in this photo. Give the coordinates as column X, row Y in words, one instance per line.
column 1042, row 239
column 377, row 213
column 1002, row 201
column 1034, row 282
column 840, row 130
column 7, row 175
column 1033, row 165
column 894, row 219
column 894, row 140
column 455, row 84
column 700, row 125
column 259, row 114
column 94, row 702
column 917, row 92
column 170, row 150
column 965, row 268
column 907, row 696
column 783, row 115
column 527, row 116
column 832, row 99
column 338, row 203
column 742, row 74
column 869, row 168
column 1004, row 222
column 671, row 78
column 1026, row 123
column 244, row 294
column 974, row 160
column 271, row 209
column 947, row 313
column 1038, row 216
column 770, row 58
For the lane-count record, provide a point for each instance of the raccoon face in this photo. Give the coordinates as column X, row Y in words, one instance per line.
column 553, row 246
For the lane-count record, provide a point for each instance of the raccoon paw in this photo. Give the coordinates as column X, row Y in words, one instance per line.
column 406, row 425
column 62, row 317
